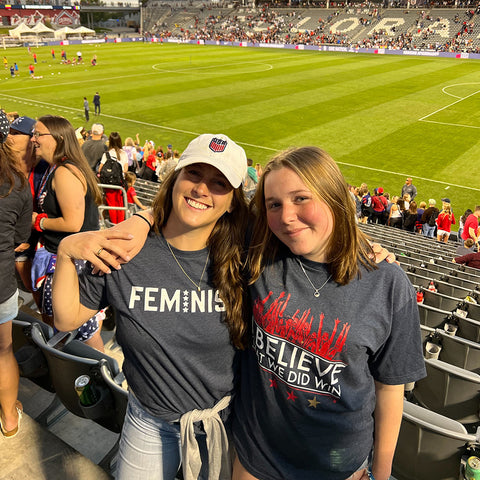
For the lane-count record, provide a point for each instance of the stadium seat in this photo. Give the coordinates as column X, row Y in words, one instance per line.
column 69, row 362
column 430, row 446
column 450, row 391
column 440, row 301
column 432, row 317
column 454, row 350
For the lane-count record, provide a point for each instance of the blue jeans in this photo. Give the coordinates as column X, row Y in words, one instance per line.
column 428, row 231
column 9, row 309
column 150, row 447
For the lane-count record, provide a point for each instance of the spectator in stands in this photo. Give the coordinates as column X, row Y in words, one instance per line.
column 67, row 199
column 421, row 208
column 16, row 214
column 470, row 229
column 358, row 201
column 259, row 169
column 133, row 201
column 395, row 218
column 95, row 147
column 444, row 221
column 461, row 224
column 131, row 151
column 167, row 166
column 114, row 196
column 21, row 132
column 251, row 180
column 150, row 162
column 172, row 354
column 367, row 210
column 379, row 205
column 466, row 248
column 409, row 188
column 428, row 219
column 169, row 152
column 410, row 217
column 470, row 260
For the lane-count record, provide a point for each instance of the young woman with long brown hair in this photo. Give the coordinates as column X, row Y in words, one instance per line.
column 16, row 214
column 334, row 336
column 179, row 307
column 67, row 203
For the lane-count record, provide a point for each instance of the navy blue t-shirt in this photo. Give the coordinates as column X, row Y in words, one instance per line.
column 305, row 405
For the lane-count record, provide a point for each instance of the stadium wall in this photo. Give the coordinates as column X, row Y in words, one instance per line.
column 321, row 48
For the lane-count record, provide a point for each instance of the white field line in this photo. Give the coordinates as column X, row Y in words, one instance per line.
column 196, row 134
column 447, row 106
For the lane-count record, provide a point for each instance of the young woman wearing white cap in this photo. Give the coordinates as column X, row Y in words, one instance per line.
column 179, row 315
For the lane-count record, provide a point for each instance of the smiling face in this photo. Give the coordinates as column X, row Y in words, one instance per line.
column 22, row 145
column 44, row 142
column 296, row 216
column 201, row 195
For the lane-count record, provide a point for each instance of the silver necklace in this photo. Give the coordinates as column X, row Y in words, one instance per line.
column 197, row 285
column 316, row 291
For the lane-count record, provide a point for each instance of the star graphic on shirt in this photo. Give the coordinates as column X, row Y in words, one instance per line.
column 273, row 383
column 313, row 402
column 291, row 396
column 185, row 309
column 185, row 303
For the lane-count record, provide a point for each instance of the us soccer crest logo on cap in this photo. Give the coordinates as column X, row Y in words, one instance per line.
column 217, row 145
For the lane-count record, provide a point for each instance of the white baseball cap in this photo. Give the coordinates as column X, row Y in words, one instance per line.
column 219, row 152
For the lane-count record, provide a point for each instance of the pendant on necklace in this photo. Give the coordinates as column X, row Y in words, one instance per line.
column 316, row 293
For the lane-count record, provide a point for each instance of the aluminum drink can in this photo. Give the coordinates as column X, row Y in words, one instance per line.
column 472, row 470
column 85, row 391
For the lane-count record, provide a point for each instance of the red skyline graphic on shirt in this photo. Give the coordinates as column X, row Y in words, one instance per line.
column 297, row 328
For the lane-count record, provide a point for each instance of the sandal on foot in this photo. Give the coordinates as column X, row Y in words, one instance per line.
column 12, row 433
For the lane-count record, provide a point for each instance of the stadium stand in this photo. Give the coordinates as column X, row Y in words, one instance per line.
column 430, row 446
column 454, row 350
column 450, row 391
column 367, row 25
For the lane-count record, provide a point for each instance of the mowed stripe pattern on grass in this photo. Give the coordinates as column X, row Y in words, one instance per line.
column 363, row 109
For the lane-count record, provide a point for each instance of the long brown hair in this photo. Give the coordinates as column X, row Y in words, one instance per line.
column 226, row 244
column 347, row 248
column 9, row 168
column 69, row 148
column 115, row 142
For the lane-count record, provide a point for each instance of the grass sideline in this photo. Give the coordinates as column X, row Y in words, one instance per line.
column 381, row 117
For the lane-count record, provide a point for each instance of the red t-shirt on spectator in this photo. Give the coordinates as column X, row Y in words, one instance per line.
column 470, row 222
column 445, row 221
column 130, row 194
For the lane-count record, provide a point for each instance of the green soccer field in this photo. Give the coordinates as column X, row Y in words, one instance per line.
column 382, row 117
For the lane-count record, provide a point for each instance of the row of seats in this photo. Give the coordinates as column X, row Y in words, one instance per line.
column 441, row 411
column 55, row 361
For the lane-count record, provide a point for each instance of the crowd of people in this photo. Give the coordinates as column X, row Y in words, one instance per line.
column 404, row 211
column 229, row 339
column 269, row 25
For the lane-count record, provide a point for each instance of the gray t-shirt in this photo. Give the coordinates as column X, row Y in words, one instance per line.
column 93, row 151
column 305, row 404
column 178, row 354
